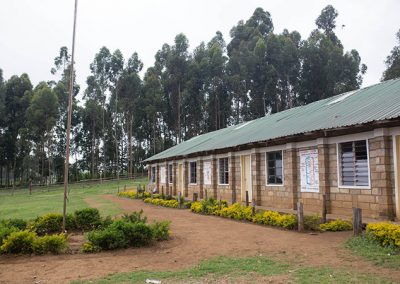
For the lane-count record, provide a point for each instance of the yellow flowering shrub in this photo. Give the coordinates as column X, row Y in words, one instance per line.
column 237, row 212
column 386, row 233
column 336, row 225
column 161, row 202
column 133, row 195
column 196, row 207
column 272, row 218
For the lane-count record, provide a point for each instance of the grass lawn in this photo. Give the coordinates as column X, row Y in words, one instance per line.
column 50, row 199
column 371, row 250
column 243, row 270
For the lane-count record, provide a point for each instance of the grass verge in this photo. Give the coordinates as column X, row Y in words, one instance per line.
column 371, row 250
column 242, row 270
column 46, row 200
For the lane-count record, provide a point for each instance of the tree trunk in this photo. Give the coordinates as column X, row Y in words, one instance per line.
column 179, row 113
column 93, row 149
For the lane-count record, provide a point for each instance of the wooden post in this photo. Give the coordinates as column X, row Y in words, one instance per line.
column 179, row 199
column 323, row 217
column 247, row 198
column 205, row 191
column 357, row 221
column 253, row 207
column 30, row 187
column 300, row 217
column 195, row 196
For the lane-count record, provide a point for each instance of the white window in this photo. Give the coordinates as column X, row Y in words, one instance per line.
column 193, row 172
column 223, row 170
column 153, row 174
column 170, row 173
column 274, row 167
column 354, row 168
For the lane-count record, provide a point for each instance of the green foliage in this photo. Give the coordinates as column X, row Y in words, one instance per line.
column 20, row 224
column 312, row 222
column 107, row 239
column 336, row 225
column 47, row 224
column 55, row 244
column 135, row 217
column 89, row 248
column 5, row 232
column 393, row 61
column 135, row 234
column 162, row 202
column 19, row 242
column 161, row 230
column 387, row 234
column 87, row 218
column 271, row 218
column 371, row 249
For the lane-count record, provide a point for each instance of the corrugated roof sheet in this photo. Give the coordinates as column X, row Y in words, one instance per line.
column 374, row 103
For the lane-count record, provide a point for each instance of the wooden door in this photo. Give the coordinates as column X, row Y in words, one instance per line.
column 246, row 178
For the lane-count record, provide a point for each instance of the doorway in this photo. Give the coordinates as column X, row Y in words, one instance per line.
column 245, row 161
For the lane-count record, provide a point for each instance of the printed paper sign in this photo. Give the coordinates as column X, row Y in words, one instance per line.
column 309, row 172
column 207, row 172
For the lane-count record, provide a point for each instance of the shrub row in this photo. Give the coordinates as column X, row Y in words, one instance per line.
column 387, row 234
column 129, row 231
column 240, row 212
column 85, row 219
column 336, row 225
column 132, row 194
column 28, row 242
column 172, row 203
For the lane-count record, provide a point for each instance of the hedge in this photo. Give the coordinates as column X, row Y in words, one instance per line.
column 387, row 234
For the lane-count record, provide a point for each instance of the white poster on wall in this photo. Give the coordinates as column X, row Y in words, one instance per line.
column 207, row 172
column 163, row 175
column 309, row 172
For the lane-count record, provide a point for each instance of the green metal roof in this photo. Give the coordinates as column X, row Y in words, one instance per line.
column 374, row 103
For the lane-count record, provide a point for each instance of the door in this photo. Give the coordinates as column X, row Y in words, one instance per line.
column 180, row 179
column 397, row 174
column 246, row 178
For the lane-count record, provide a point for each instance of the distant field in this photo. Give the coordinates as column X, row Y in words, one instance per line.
column 50, row 199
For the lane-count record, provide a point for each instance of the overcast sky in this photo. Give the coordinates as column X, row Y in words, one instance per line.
column 32, row 31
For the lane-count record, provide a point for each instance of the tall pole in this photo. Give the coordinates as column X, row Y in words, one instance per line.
column 71, row 89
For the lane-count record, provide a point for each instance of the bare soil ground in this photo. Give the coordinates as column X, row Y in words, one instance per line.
column 194, row 238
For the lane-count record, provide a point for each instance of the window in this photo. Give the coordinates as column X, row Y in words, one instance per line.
column 274, row 168
column 153, row 174
column 223, row 171
column 170, row 173
column 354, row 163
column 193, row 172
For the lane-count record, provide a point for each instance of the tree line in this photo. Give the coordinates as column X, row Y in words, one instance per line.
column 124, row 117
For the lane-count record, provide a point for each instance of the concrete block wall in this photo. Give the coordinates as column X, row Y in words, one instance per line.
column 376, row 201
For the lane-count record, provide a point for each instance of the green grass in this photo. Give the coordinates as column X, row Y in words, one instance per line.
column 249, row 270
column 50, row 199
column 371, row 250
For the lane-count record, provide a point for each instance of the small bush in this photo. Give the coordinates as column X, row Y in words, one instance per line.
column 161, row 202
column 107, row 239
column 336, row 225
column 132, row 194
column 48, row 224
column 272, row 218
column 20, row 224
column 160, row 230
column 312, row 222
column 135, row 234
column 55, row 244
column 196, row 207
column 5, row 232
column 135, row 217
column 19, row 242
column 385, row 233
column 87, row 219
column 89, row 248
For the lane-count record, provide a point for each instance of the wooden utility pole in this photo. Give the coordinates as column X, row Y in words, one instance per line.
column 71, row 89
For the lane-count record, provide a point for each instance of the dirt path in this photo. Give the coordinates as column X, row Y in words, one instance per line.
column 194, row 238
